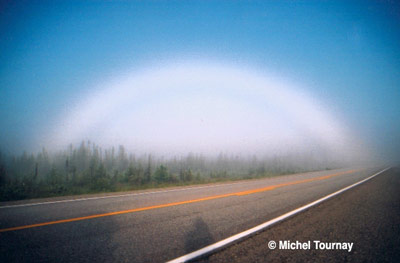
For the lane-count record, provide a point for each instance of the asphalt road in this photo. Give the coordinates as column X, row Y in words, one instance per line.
column 367, row 216
column 155, row 226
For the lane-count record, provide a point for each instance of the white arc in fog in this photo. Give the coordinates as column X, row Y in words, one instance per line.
column 203, row 108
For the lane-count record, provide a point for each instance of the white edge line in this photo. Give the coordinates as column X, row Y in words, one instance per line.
column 114, row 196
column 225, row 242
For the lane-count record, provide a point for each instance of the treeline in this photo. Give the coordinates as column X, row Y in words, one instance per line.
column 89, row 169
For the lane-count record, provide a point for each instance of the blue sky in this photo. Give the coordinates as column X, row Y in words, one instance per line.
column 345, row 53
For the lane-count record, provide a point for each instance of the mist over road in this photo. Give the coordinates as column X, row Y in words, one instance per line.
column 156, row 226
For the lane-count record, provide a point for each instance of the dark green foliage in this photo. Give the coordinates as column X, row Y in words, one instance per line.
column 89, row 169
column 186, row 175
column 161, row 174
column 147, row 172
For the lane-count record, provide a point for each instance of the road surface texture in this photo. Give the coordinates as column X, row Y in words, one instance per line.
column 368, row 216
column 160, row 225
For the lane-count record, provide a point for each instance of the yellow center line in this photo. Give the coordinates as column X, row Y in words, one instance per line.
column 253, row 191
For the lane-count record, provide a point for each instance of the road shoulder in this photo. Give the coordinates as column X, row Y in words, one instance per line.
column 367, row 216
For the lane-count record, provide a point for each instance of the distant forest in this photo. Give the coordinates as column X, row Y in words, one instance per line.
column 90, row 169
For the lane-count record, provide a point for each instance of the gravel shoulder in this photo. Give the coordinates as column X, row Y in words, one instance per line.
column 368, row 216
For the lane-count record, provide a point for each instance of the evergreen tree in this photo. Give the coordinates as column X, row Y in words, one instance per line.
column 161, row 174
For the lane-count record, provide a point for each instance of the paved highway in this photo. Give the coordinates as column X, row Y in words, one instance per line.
column 155, row 226
column 368, row 216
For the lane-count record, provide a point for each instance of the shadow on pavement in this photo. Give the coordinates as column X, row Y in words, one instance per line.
column 198, row 237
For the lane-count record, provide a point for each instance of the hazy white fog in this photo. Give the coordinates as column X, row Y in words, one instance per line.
column 206, row 108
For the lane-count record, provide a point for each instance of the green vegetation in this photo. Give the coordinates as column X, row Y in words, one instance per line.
column 90, row 169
